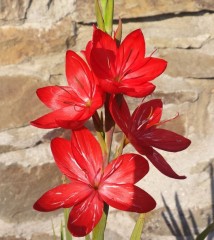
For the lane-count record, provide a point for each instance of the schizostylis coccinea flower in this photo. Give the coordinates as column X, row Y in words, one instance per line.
column 123, row 69
column 141, row 129
column 74, row 104
column 81, row 161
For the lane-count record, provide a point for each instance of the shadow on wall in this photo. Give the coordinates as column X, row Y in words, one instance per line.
column 187, row 229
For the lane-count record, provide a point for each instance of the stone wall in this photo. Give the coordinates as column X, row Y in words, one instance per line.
column 34, row 36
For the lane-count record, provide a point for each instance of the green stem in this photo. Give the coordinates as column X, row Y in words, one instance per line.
column 98, row 232
column 109, row 129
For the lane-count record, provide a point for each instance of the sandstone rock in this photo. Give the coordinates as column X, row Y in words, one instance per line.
column 19, row 104
column 21, row 43
column 13, row 10
column 185, row 63
column 136, row 9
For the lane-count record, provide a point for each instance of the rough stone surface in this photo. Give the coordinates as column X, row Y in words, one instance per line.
column 137, row 8
column 34, row 36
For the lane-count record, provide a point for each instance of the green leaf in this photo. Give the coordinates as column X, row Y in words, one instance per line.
column 137, row 231
column 108, row 16
column 98, row 232
column 62, row 237
column 54, row 233
column 87, row 237
column 66, row 215
column 205, row 233
column 99, row 16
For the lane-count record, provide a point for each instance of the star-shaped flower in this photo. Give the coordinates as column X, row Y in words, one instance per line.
column 123, row 69
column 92, row 184
column 74, row 104
column 141, row 130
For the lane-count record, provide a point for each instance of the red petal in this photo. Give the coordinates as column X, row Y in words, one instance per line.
column 147, row 70
column 65, row 195
column 127, row 197
column 160, row 163
column 56, row 97
column 120, row 113
column 87, row 152
column 61, row 149
column 103, row 54
column 137, row 91
column 165, row 140
column 131, row 51
column 79, row 76
column 66, row 114
column 85, row 216
column 128, row 168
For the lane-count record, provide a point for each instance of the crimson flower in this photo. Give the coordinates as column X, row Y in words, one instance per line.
column 91, row 184
column 141, row 130
column 74, row 104
column 123, row 69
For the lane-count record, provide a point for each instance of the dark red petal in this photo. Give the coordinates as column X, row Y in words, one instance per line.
column 65, row 195
column 128, row 168
column 87, row 152
column 166, row 140
column 120, row 112
column 146, row 115
column 160, row 163
column 147, row 70
column 61, row 149
column 85, row 216
column 66, row 114
column 127, row 197
column 131, row 51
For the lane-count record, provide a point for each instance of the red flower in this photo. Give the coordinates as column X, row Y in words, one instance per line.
column 92, row 185
column 74, row 104
column 123, row 69
column 141, row 130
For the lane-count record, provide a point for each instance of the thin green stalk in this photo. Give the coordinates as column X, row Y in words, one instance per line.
column 108, row 16
column 137, row 231
column 109, row 129
column 98, row 125
column 66, row 215
column 206, row 232
column 98, row 232
column 99, row 16
column 122, row 145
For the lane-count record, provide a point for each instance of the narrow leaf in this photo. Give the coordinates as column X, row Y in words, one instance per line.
column 205, row 233
column 137, row 231
column 62, row 236
column 98, row 232
column 87, row 237
column 53, row 228
column 108, row 17
column 67, row 233
column 99, row 16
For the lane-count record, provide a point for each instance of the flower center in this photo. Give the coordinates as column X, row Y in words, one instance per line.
column 88, row 103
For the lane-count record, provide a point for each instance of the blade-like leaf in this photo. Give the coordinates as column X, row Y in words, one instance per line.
column 98, row 232
column 53, row 228
column 205, row 233
column 99, row 16
column 108, row 17
column 66, row 215
column 137, row 231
